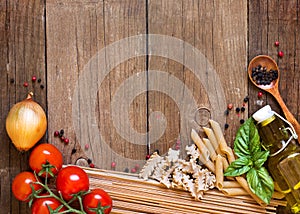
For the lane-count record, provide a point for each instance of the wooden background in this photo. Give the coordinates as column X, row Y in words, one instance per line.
column 55, row 40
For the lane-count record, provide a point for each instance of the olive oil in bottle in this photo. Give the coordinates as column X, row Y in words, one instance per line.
column 279, row 137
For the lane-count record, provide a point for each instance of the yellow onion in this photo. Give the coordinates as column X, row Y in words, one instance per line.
column 26, row 123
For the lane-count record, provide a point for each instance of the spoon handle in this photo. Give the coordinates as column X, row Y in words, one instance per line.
column 289, row 116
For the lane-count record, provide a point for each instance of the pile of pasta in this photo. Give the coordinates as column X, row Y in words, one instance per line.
column 204, row 168
column 216, row 155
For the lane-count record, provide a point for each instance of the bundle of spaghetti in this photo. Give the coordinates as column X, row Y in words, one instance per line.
column 221, row 155
column 131, row 194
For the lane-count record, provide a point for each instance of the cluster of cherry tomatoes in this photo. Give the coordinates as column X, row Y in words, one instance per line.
column 71, row 186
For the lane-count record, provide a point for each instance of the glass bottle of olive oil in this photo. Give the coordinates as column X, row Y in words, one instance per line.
column 279, row 137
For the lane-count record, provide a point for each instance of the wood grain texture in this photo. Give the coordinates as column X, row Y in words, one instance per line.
column 271, row 21
column 221, row 43
column 22, row 42
column 91, row 27
column 145, row 98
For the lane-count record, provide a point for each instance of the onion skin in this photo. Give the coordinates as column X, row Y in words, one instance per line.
column 26, row 123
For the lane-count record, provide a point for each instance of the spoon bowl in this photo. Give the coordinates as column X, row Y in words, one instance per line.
column 272, row 88
column 270, row 64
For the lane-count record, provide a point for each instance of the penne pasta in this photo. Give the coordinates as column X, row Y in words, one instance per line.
column 211, row 136
column 208, row 163
column 234, row 191
column 231, row 184
column 209, row 146
column 219, row 136
column 219, row 172
column 199, row 143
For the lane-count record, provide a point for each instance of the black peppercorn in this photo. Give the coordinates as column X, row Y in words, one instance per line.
column 73, row 151
column 237, row 109
column 89, row 161
column 242, row 121
column 61, row 133
column 243, row 109
column 226, row 112
column 226, row 125
column 246, row 99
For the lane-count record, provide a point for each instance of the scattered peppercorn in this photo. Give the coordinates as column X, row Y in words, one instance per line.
column 242, row 121
column 126, row 170
column 229, row 106
column 246, row 99
column 62, row 138
column 113, row 164
column 86, row 146
column 276, row 43
column 133, row 170
column 73, row 151
column 39, row 80
column 61, row 133
column 66, row 140
column 89, row 161
column 280, row 54
column 226, row 112
column 56, row 133
column 12, row 80
column 259, row 94
column 25, row 84
column 226, row 126
column 148, row 156
column 237, row 109
column 33, row 78
column 42, row 86
column 92, row 165
column 243, row 109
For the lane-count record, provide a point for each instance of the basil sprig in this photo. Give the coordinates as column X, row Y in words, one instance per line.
column 250, row 161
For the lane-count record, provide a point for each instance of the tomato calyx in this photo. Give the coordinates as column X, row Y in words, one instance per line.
column 47, row 169
column 99, row 209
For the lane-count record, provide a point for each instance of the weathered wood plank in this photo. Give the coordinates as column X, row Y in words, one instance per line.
column 271, row 21
column 221, row 43
column 92, row 28
column 22, row 49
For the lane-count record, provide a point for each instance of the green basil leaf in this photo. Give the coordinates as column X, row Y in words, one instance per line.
column 261, row 183
column 241, row 142
column 259, row 158
column 254, row 140
column 239, row 167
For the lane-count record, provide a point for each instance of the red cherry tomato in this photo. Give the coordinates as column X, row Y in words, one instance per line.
column 40, row 205
column 71, row 180
column 97, row 198
column 21, row 185
column 45, row 153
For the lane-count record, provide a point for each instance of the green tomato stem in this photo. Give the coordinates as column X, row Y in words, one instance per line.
column 67, row 205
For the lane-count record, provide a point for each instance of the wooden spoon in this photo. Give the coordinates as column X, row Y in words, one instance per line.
column 269, row 63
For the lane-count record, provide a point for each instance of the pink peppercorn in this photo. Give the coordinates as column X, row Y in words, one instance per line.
column 276, row 43
column 280, row 54
column 25, row 84
column 66, row 140
column 33, row 78
column 113, row 164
